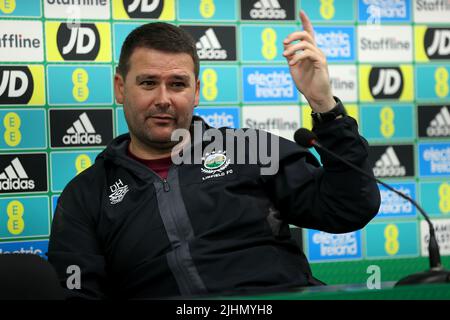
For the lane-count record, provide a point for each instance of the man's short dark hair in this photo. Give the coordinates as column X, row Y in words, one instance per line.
column 159, row 36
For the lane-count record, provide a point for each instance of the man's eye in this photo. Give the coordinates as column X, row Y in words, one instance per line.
column 148, row 83
column 179, row 84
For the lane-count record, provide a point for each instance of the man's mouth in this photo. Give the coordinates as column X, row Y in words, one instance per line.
column 162, row 118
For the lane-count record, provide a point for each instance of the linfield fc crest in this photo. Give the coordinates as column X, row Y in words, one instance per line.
column 215, row 165
column 214, row 162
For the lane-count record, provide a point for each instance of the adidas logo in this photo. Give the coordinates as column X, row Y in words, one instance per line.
column 14, row 177
column 440, row 125
column 82, row 132
column 209, row 47
column 267, row 9
column 389, row 165
column 118, row 191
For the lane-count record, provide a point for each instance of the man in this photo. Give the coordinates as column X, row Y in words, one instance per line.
column 140, row 226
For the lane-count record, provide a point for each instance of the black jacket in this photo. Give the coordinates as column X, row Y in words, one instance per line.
column 206, row 231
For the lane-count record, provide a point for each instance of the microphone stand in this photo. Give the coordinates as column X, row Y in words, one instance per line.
column 436, row 274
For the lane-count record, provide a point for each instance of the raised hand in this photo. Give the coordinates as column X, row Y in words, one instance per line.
column 308, row 67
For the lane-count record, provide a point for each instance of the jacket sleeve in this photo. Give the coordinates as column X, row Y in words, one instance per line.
column 73, row 242
column 332, row 198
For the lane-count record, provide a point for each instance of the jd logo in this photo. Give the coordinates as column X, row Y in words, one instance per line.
column 437, row 43
column 386, row 83
column 16, row 85
column 78, row 42
column 143, row 8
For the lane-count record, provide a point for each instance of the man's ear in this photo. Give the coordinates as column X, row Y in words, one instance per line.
column 119, row 87
column 197, row 93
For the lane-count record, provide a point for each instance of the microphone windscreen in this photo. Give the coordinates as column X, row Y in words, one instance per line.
column 28, row 276
column 304, row 137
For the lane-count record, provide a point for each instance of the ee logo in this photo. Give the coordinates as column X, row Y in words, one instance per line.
column 207, row 8
column 391, row 235
column 327, row 9
column 12, row 134
column 269, row 48
column 80, row 89
column 82, row 162
column 7, row 6
column 444, row 198
column 15, row 212
column 441, row 86
column 209, row 78
column 387, row 127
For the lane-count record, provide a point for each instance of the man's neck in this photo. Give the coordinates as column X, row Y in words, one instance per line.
column 147, row 152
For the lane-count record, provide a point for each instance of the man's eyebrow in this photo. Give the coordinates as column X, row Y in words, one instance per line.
column 142, row 77
column 182, row 77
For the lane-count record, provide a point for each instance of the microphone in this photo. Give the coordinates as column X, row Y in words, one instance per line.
column 436, row 274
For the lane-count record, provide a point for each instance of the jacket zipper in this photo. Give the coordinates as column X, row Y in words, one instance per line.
column 166, row 186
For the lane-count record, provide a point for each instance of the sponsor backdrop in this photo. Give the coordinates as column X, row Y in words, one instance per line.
column 389, row 63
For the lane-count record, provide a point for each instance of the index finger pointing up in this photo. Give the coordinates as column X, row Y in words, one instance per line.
column 306, row 23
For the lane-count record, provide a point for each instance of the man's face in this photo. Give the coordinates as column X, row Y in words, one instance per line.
column 159, row 95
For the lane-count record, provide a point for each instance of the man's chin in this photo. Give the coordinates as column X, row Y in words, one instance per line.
column 162, row 143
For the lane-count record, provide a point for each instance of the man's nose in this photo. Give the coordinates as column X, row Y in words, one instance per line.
column 163, row 96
